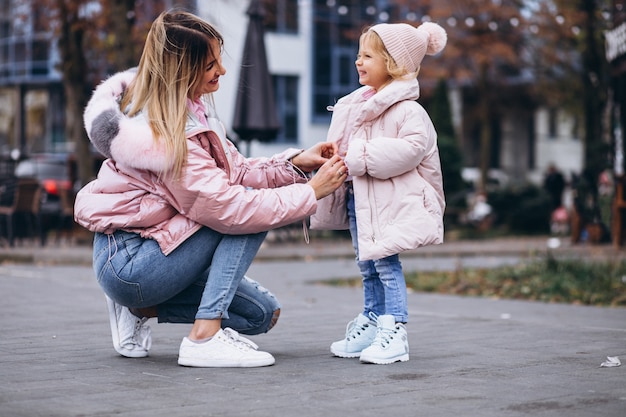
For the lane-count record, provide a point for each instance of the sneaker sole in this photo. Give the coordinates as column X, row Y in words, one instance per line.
column 116, row 338
column 345, row 354
column 223, row 364
column 385, row 361
column 131, row 353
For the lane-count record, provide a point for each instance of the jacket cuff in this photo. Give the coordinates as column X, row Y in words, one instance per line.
column 292, row 153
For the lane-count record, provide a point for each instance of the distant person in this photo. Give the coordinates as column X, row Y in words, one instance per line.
column 481, row 212
column 393, row 200
column 554, row 184
column 178, row 213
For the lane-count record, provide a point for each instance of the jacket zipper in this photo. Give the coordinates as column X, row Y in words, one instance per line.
column 371, row 197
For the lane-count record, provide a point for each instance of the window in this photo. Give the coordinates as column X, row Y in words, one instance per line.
column 286, row 94
column 337, row 27
column 40, row 58
column 281, row 16
column 5, row 29
column 5, row 8
column 552, row 123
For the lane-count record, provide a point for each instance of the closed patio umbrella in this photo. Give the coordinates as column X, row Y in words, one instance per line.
column 255, row 109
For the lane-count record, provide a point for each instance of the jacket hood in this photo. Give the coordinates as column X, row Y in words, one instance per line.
column 127, row 140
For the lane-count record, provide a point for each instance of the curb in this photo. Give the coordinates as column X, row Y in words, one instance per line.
column 534, row 247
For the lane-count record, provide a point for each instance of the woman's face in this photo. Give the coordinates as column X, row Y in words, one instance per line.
column 371, row 67
column 212, row 71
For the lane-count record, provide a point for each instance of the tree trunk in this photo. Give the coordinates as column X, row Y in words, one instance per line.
column 74, row 72
column 593, row 94
column 485, row 127
column 121, row 20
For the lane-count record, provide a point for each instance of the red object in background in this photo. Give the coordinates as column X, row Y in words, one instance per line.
column 52, row 186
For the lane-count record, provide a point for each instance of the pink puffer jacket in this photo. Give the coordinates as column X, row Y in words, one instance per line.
column 218, row 188
column 393, row 159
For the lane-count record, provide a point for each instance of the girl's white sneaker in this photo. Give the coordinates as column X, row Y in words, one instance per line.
column 360, row 333
column 390, row 345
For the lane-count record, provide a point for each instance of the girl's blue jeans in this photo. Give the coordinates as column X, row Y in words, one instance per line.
column 203, row 278
column 384, row 287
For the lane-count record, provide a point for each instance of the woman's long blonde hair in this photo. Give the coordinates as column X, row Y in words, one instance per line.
column 171, row 68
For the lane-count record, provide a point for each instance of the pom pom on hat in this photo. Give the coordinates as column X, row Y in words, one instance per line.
column 437, row 37
column 407, row 45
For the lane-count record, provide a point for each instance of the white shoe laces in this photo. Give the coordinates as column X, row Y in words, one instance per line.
column 238, row 340
column 141, row 334
column 384, row 336
column 353, row 330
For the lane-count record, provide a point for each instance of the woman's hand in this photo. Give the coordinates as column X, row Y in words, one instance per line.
column 329, row 177
column 315, row 156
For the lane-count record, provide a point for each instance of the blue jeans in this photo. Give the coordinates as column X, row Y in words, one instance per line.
column 384, row 287
column 203, row 278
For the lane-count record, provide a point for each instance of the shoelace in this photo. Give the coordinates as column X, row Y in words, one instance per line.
column 384, row 336
column 353, row 330
column 141, row 334
column 239, row 340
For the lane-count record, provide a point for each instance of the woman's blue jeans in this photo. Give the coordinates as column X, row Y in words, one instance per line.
column 384, row 287
column 203, row 278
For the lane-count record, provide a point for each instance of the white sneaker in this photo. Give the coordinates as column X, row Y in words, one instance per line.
column 226, row 349
column 360, row 333
column 390, row 345
column 131, row 337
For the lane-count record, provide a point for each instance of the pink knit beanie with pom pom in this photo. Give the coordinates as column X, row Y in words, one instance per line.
column 407, row 45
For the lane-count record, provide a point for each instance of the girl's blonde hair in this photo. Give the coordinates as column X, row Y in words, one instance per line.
column 171, row 69
column 377, row 46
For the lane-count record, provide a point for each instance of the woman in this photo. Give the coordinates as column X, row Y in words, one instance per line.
column 178, row 213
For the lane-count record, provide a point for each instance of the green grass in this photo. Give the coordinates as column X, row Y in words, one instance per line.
column 549, row 280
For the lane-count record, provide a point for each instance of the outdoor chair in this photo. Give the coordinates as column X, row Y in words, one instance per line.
column 22, row 217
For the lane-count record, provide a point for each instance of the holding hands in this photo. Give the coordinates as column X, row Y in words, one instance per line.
column 332, row 171
column 329, row 177
column 315, row 156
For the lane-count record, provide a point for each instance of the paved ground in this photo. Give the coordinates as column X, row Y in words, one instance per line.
column 469, row 356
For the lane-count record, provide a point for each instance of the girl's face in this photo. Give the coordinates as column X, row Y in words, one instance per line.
column 212, row 72
column 371, row 66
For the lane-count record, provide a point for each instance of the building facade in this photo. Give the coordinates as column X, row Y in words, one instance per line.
column 31, row 97
column 315, row 58
column 311, row 46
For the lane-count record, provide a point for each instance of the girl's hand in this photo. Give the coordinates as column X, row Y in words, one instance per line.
column 315, row 156
column 329, row 177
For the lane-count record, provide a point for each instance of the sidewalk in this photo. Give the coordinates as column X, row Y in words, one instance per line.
column 469, row 356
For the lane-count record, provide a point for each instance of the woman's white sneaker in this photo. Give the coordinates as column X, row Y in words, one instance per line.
column 131, row 336
column 226, row 349
column 390, row 345
column 360, row 333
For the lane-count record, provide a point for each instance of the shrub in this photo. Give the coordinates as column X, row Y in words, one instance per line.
column 524, row 209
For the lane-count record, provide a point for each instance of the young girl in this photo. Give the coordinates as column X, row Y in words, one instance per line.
column 393, row 196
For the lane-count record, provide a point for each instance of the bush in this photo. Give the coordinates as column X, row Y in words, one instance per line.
column 550, row 280
column 522, row 210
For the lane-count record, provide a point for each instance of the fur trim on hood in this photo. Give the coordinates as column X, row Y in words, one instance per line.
column 128, row 141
